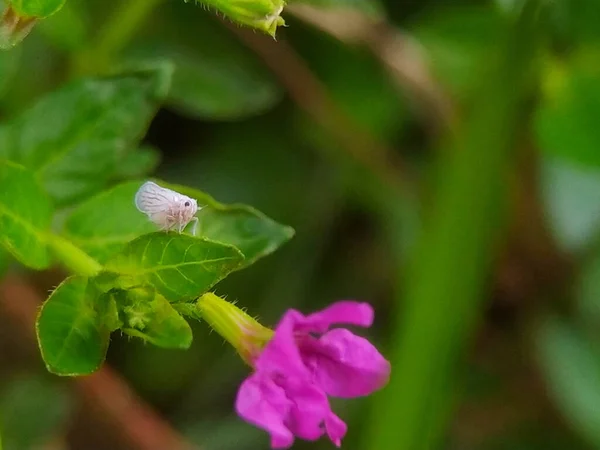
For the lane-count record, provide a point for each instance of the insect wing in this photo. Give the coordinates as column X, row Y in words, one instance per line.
column 153, row 199
column 164, row 206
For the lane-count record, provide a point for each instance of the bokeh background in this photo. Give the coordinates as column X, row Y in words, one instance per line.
column 345, row 128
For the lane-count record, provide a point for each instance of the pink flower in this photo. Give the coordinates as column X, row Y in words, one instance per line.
column 305, row 362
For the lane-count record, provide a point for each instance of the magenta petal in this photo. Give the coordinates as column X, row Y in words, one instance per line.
column 264, row 404
column 345, row 365
column 311, row 408
column 281, row 354
column 301, row 365
column 345, row 312
column 336, row 429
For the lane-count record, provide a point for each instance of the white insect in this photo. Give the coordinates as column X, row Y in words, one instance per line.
column 166, row 208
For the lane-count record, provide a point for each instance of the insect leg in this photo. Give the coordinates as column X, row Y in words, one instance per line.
column 195, row 220
column 169, row 226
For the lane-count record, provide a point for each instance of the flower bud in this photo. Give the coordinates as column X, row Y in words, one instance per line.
column 263, row 15
column 242, row 331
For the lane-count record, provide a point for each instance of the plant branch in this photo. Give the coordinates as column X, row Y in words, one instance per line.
column 400, row 54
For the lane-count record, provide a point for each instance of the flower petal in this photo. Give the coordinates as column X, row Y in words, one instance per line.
column 263, row 403
column 336, row 429
column 310, row 410
column 281, row 354
column 345, row 312
column 345, row 365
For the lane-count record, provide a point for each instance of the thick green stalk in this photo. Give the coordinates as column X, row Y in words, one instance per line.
column 443, row 292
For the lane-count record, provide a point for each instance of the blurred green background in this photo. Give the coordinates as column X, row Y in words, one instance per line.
column 439, row 159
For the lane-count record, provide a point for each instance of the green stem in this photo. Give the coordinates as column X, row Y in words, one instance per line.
column 114, row 36
column 242, row 331
column 443, row 292
column 75, row 259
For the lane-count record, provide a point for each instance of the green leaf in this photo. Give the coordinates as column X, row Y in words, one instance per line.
column 216, row 78
column 218, row 88
column 36, row 8
column 75, row 138
column 73, row 327
column 180, row 267
column 571, row 366
column 570, row 196
column 139, row 163
column 25, row 216
column 102, row 235
column 247, row 229
column 148, row 315
column 564, row 123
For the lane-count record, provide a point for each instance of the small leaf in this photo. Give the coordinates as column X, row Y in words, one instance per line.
column 249, row 230
column 213, row 87
column 148, row 315
column 215, row 77
column 25, row 215
column 180, row 267
column 73, row 327
column 75, row 138
column 102, row 235
column 571, row 367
